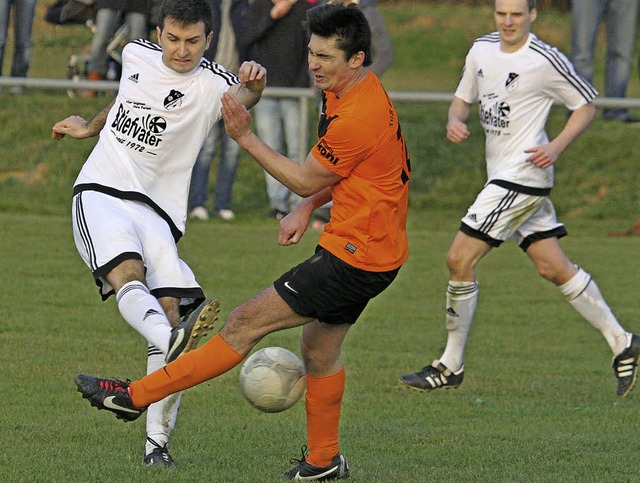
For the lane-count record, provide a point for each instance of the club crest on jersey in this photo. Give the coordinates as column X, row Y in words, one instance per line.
column 512, row 82
column 173, row 100
column 327, row 152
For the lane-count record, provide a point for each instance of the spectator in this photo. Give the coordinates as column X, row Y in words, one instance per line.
column 229, row 20
column 280, row 44
column 23, row 12
column 108, row 16
column 620, row 17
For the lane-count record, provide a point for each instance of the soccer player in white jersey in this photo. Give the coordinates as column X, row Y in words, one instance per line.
column 130, row 198
column 515, row 78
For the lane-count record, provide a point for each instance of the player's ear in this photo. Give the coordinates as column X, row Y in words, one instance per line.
column 356, row 59
column 209, row 39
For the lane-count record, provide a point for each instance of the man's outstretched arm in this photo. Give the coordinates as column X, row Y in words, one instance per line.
column 77, row 127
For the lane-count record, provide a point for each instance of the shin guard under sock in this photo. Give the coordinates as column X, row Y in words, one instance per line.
column 323, row 403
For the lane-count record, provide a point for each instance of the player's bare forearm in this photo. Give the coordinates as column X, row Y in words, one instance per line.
column 545, row 155
column 248, row 97
column 457, row 130
column 78, row 128
column 295, row 224
column 285, row 170
column 576, row 124
column 253, row 80
column 304, row 180
column 318, row 199
column 99, row 120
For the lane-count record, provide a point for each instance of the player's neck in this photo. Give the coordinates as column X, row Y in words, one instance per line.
column 509, row 48
column 358, row 76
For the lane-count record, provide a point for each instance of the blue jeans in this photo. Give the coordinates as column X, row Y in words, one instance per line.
column 278, row 122
column 107, row 22
column 227, row 168
column 23, row 12
column 620, row 18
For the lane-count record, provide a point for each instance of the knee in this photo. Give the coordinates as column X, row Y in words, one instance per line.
column 555, row 274
column 307, row 352
column 458, row 264
column 316, row 358
column 546, row 271
column 128, row 271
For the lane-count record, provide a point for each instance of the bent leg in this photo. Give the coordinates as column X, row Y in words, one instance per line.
column 138, row 307
column 246, row 326
column 580, row 290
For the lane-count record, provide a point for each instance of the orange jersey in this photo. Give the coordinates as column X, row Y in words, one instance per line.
column 359, row 138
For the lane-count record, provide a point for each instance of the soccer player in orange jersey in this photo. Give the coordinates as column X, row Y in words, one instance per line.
column 360, row 161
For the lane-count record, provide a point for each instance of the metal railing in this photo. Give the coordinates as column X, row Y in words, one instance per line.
column 303, row 95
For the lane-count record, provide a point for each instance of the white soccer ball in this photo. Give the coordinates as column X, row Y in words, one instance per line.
column 272, row 379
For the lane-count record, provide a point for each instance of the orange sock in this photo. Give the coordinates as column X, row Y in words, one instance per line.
column 323, row 400
column 212, row 359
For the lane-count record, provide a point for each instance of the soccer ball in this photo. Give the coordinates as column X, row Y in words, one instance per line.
column 272, row 379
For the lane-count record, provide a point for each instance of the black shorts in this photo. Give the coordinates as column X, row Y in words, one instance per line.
column 330, row 290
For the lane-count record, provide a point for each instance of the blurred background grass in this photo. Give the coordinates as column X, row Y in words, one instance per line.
column 597, row 177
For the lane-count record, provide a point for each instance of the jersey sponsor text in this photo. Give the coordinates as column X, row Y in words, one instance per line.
column 143, row 129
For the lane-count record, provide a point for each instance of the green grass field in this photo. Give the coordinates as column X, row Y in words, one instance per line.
column 538, row 402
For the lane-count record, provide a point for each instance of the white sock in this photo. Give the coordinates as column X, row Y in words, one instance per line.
column 143, row 312
column 583, row 295
column 462, row 298
column 162, row 415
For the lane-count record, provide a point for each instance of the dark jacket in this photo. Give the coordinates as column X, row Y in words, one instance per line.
column 141, row 6
column 238, row 12
column 278, row 45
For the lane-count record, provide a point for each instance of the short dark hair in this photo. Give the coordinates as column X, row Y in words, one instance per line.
column 531, row 4
column 187, row 12
column 348, row 24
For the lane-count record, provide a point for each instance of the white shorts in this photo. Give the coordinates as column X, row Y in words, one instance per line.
column 500, row 213
column 109, row 230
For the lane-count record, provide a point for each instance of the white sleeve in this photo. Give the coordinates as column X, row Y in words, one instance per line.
column 467, row 89
column 564, row 84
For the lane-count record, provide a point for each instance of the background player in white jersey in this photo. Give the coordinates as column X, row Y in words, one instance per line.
column 515, row 78
column 130, row 198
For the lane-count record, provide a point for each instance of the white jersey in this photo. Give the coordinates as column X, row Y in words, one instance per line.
column 154, row 131
column 515, row 92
